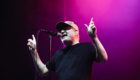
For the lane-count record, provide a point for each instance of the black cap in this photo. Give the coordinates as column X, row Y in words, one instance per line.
column 62, row 25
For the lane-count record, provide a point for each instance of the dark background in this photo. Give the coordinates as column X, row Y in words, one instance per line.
column 118, row 28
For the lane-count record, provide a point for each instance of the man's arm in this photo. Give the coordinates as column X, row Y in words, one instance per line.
column 41, row 67
column 101, row 55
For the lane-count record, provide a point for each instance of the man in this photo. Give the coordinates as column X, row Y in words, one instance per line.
column 74, row 62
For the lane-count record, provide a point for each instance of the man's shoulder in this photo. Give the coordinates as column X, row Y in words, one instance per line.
column 59, row 50
column 86, row 43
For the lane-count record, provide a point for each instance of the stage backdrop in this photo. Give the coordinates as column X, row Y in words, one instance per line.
column 118, row 28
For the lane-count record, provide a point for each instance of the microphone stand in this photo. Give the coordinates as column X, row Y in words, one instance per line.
column 50, row 37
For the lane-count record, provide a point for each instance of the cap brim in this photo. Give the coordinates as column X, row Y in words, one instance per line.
column 61, row 25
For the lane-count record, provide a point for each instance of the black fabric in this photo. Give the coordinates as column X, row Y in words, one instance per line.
column 62, row 25
column 74, row 62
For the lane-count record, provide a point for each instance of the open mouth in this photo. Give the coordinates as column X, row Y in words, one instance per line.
column 64, row 36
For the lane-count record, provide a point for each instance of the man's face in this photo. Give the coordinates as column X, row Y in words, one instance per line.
column 68, row 34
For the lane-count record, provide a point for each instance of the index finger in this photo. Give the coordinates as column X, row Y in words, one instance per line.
column 91, row 22
column 92, row 19
column 33, row 37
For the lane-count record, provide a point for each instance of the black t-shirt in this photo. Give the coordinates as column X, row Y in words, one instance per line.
column 74, row 62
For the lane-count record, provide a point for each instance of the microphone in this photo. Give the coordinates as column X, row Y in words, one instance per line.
column 52, row 33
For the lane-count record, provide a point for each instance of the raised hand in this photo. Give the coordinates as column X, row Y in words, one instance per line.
column 32, row 43
column 91, row 29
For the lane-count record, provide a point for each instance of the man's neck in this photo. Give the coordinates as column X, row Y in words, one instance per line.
column 71, row 43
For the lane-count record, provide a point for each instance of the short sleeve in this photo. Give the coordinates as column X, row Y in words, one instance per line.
column 92, row 52
column 52, row 63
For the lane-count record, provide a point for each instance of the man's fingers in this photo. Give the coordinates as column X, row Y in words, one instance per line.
column 86, row 26
column 91, row 22
column 29, row 44
column 33, row 38
column 30, row 40
column 91, row 19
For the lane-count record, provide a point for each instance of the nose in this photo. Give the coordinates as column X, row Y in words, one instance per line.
column 62, row 31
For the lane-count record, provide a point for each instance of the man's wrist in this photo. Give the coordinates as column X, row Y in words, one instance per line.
column 33, row 51
column 93, row 36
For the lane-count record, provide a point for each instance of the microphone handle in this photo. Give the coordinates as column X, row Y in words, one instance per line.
column 52, row 33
